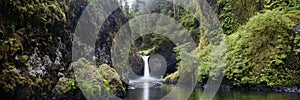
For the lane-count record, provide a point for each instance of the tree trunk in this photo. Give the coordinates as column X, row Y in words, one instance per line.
column 174, row 8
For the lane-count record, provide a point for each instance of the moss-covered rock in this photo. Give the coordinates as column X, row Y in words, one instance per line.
column 36, row 40
column 32, row 33
column 98, row 81
column 112, row 80
column 148, row 51
column 63, row 86
column 172, row 78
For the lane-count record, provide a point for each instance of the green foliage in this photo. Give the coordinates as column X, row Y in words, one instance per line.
column 283, row 5
column 211, row 58
column 126, row 7
column 259, row 53
column 106, row 84
column 205, row 63
column 147, row 52
column 189, row 22
column 188, row 63
column 26, row 25
column 233, row 13
column 137, row 5
column 73, row 84
column 229, row 23
column 88, row 89
column 52, row 7
column 172, row 78
column 88, row 1
column 110, row 79
column 187, row 55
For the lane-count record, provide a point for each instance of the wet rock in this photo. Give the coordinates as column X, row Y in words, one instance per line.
column 136, row 63
column 172, row 78
column 131, row 88
column 296, row 28
column 24, row 26
column 98, row 81
column 115, row 83
column 225, row 88
column 62, row 86
column 292, row 90
column 153, row 44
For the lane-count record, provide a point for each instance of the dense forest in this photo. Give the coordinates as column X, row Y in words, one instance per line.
column 261, row 37
column 260, row 48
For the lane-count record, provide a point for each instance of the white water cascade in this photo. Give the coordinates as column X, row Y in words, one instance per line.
column 145, row 82
column 146, row 66
column 146, row 76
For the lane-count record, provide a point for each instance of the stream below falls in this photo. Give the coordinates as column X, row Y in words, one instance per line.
column 149, row 88
column 159, row 90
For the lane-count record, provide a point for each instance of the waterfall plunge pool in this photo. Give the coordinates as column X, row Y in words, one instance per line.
column 149, row 88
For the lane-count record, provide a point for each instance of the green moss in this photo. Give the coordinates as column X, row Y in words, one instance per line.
column 88, row 89
column 283, row 5
column 73, row 84
column 88, row 1
column 106, row 84
column 22, row 25
column 229, row 22
column 172, row 78
column 260, row 54
column 148, row 51
column 102, row 79
column 110, row 79
column 52, row 7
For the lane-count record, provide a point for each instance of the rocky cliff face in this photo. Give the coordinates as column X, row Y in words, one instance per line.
column 36, row 41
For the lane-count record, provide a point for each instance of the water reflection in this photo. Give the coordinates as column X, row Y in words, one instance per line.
column 149, row 91
column 240, row 95
column 158, row 91
column 146, row 91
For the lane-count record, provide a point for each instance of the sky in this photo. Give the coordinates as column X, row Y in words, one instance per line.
column 129, row 2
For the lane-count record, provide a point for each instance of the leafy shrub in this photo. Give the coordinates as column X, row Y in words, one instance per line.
column 260, row 52
column 283, row 5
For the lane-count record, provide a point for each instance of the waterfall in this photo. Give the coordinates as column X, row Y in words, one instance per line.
column 146, row 76
column 146, row 66
column 146, row 82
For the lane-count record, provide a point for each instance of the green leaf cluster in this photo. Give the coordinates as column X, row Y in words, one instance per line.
column 283, row 5
column 260, row 53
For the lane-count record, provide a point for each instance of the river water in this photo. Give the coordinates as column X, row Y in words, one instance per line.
column 149, row 88
column 158, row 91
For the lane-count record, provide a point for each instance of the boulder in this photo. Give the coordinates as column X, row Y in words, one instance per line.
column 98, row 81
